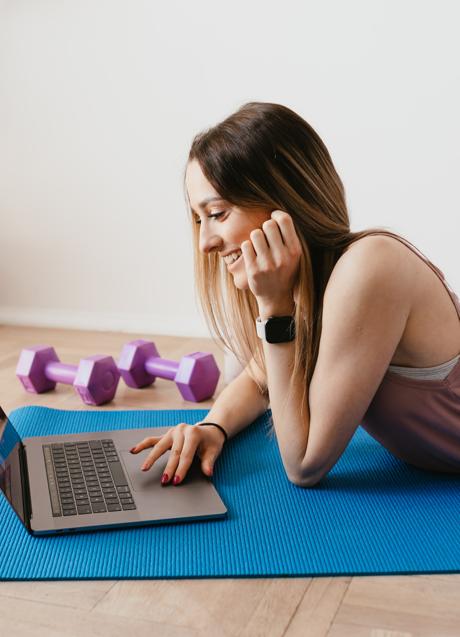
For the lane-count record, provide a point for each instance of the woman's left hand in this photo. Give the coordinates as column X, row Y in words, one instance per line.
column 271, row 258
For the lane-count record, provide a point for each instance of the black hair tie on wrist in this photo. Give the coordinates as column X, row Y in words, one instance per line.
column 201, row 424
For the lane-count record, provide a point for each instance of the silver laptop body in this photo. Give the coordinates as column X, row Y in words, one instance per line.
column 113, row 492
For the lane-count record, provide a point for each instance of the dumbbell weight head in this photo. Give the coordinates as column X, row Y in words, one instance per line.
column 96, row 377
column 31, row 368
column 197, row 376
column 132, row 363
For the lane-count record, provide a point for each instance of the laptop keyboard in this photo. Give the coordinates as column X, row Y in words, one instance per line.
column 86, row 477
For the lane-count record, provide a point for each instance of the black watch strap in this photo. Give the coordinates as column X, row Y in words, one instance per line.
column 276, row 329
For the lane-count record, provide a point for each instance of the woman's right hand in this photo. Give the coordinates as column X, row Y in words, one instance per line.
column 183, row 440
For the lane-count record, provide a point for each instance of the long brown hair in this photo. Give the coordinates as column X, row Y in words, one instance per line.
column 265, row 155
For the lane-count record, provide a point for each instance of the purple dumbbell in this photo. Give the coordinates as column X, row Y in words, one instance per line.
column 196, row 375
column 95, row 378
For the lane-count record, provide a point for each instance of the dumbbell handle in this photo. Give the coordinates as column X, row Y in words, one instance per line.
column 162, row 367
column 61, row 373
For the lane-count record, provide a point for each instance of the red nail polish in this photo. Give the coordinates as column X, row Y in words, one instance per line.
column 131, row 450
column 176, row 480
column 164, row 478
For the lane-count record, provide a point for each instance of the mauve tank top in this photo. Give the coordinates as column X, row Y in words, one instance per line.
column 418, row 420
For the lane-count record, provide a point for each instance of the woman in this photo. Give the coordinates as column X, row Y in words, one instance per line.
column 363, row 330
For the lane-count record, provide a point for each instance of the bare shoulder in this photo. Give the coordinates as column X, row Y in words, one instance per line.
column 381, row 264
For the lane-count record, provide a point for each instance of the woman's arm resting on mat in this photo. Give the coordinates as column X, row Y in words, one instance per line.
column 365, row 310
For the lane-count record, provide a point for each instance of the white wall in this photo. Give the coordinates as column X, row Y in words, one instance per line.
column 100, row 100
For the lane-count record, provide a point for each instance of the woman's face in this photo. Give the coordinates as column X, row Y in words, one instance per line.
column 225, row 232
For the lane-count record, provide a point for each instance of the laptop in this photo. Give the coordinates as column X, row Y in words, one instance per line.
column 90, row 481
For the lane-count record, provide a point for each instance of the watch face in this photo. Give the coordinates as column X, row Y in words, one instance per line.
column 280, row 329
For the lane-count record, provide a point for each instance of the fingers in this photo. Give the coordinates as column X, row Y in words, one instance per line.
column 163, row 444
column 287, row 229
column 249, row 254
column 273, row 236
column 182, row 454
column 144, row 444
column 183, row 441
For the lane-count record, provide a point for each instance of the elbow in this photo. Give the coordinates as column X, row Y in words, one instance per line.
column 305, row 481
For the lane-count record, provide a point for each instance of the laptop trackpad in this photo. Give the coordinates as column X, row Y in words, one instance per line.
column 145, row 480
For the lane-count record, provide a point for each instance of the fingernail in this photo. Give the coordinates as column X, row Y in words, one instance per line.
column 164, row 478
column 144, row 467
column 176, row 480
column 131, row 450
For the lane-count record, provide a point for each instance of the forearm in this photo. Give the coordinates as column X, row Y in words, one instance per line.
column 238, row 405
column 291, row 430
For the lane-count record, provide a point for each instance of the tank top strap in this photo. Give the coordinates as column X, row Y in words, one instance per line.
column 436, row 270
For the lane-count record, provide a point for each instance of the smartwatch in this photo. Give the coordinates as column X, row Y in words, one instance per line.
column 276, row 329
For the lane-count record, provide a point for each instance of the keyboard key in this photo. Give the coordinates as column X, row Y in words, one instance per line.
column 126, row 500
column 126, row 507
column 84, row 509
column 113, row 507
column 118, row 474
column 69, row 511
column 124, row 489
column 98, row 507
column 97, row 498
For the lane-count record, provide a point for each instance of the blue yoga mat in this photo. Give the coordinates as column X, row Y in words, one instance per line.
column 372, row 514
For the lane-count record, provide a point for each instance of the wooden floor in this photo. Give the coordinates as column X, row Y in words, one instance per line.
column 390, row 606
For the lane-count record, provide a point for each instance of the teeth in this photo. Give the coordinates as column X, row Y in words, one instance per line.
column 232, row 257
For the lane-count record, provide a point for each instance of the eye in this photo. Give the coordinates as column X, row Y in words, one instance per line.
column 214, row 216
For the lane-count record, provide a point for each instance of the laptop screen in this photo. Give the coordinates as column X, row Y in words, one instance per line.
column 10, row 465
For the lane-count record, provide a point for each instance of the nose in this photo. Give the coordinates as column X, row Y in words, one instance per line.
column 209, row 241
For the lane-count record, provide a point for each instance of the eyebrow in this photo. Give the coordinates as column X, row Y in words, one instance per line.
column 206, row 201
